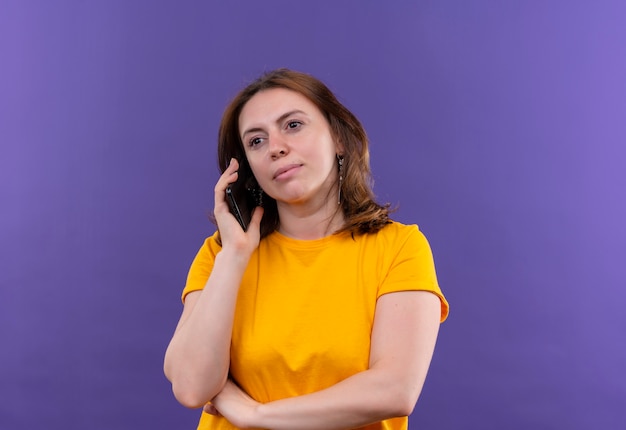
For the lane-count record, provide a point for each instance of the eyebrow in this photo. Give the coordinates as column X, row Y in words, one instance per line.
column 278, row 121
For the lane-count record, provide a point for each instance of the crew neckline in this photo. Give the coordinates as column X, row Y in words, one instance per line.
column 291, row 242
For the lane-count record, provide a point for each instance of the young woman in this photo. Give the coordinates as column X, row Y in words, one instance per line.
column 323, row 313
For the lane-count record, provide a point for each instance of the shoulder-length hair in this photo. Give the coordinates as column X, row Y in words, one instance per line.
column 361, row 212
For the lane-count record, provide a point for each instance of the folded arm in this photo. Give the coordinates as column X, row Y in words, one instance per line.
column 198, row 356
column 403, row 339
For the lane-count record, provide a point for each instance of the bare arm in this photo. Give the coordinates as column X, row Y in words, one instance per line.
column 403, row 339
column 198, row 356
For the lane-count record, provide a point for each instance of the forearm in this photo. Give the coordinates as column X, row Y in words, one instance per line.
column 403, row 341
column 367, row 397
column 197, row 359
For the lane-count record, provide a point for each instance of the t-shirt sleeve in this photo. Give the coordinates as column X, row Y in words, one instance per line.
column 201, row 266
column 412, row 268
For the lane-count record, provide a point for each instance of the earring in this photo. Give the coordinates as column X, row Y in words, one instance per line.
column 257, row 193
column 340, row 161
column 258, row 196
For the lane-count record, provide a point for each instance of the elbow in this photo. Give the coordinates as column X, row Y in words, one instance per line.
column 194, row 391
column 397, row 393
column 406, row 406
column 195, row 395
column 186, row 388
column 402, row 399
column 191, row 398
column 403, row 405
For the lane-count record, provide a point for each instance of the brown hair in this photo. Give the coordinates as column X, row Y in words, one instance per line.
column 362, row 214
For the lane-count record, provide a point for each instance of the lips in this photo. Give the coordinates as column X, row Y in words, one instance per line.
column 285, row 169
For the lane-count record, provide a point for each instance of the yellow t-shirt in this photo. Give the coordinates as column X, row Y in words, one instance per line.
column 305, row 309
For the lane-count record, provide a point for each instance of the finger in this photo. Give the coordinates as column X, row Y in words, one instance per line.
column 210, row 409
column 257, row 215
column 233, row 166
column 229, row 176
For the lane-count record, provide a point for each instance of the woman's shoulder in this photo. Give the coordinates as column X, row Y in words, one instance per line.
column 397, row 235
column 210, row 246
column 401, row 227
column 397, row 230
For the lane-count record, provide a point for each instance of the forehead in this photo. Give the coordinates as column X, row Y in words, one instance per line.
column 268, row 105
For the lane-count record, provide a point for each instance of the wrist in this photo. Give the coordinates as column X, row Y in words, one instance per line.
column 233, row 257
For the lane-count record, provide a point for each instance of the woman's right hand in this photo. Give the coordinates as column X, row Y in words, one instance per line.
column 233, row 237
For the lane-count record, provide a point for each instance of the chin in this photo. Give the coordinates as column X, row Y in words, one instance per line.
column 293, row 199
column 293, row 196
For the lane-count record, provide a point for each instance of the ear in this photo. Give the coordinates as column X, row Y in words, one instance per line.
column 340, row 150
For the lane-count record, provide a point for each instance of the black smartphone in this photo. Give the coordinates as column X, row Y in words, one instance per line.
column 234, row 208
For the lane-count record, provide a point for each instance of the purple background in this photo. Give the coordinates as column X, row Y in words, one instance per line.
column 499, row 127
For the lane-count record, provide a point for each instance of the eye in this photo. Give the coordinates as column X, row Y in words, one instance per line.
column 255, row 141
column 294, row 124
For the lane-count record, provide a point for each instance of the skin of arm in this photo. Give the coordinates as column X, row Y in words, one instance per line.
column 405, row 330
column 198, row 356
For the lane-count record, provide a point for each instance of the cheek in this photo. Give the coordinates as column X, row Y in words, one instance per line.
column 254, row 162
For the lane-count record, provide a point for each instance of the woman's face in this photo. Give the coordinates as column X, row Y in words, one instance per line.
column 289, row 147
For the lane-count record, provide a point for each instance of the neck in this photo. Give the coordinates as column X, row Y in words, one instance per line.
column 306, row 223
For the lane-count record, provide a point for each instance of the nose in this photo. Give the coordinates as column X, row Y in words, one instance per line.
column 277, row 145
